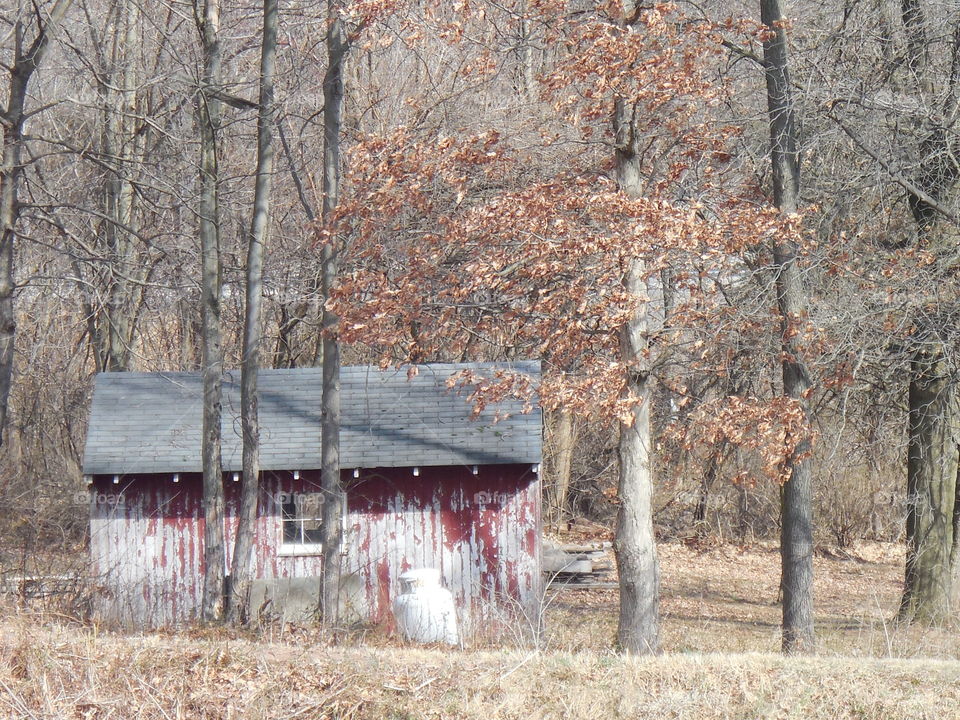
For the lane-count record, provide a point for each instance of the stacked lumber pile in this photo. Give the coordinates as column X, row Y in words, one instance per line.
column 588, row 565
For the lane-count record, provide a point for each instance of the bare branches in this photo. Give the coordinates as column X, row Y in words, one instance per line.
column 893, row 173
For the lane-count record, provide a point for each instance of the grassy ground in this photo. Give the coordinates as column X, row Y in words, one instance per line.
column 725, row 599
column 71, row 673
column 720, row 635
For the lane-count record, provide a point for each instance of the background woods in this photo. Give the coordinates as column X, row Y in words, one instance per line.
column 585, row 183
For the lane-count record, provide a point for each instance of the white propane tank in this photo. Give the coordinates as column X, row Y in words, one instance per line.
column 424, row 608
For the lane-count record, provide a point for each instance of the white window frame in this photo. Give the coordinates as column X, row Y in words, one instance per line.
column 302, row 548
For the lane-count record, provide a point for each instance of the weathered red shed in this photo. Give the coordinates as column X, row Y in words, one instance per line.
column 427, row 486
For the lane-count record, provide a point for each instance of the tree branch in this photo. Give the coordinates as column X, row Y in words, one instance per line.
column 897, row 177
column 745, row 54
column 301, row 194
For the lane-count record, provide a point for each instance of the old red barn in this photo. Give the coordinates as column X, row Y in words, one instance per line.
column 427, row 486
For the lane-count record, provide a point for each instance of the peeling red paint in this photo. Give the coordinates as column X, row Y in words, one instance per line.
column 383, row 592
column 481, row 530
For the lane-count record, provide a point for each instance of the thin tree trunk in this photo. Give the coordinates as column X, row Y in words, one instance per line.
column 635, row 547
column 796, row 497
column 119, row 270
column 917, row 55
column 188, row 331
column 211, row 351
column 562, row 439
column 528, row 75
column 252, row 330
column 25, row 62
column 308, row 312
column 124, row 292
column 706, row 483
column 122, row 144
column 286, row 353
column 333, row 506
column 955, row 544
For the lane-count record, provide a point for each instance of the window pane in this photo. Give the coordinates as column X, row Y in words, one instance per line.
column 291, row 529
column 302, row 518
column 314, row 535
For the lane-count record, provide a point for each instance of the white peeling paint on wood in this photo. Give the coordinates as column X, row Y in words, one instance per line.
column 148, row 550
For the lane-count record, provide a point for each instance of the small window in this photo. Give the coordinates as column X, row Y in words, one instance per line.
column 302, row 518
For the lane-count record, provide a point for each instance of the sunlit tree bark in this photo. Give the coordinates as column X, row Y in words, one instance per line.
column 330, row 402
column 638, row 567
column 28, row 55
column 208, row 116
column 252, row 329
column 796, row 497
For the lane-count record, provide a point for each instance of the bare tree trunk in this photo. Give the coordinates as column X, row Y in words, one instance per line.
column 796, row 497
column 333, row 506
column 212, row 353
column 931, row 487
column 122, row 145
column 562, row 439
column 714, row 464
column 252, row 330
column 635, row 546
column 955, row 541
column 934, row 424
column 287, row 352
column 118, row 259
column 307, row 312
column 188, row 331
column 526, row 44
column 26, row 59
column 638, row 630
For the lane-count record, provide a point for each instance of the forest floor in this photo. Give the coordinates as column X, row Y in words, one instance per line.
column 720, row 634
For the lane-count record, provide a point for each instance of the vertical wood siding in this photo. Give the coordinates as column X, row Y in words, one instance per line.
column 147, row 548
column 481, row 531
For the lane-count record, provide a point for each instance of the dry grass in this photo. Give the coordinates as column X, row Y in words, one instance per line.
column 725, row 599
column 59, row 672
column 720, row 634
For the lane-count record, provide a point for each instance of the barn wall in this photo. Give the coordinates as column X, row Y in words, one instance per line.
column 482, row 531
column 146, row 545
column 146, row 541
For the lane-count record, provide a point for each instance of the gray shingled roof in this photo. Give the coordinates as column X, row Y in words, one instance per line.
column 150, row 422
